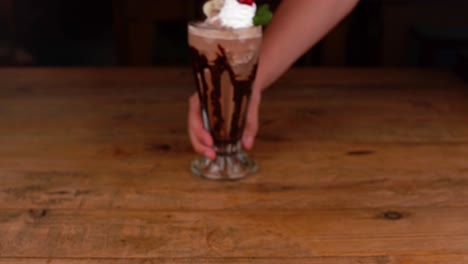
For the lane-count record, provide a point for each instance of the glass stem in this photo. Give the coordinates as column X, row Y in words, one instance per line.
column 228, row 149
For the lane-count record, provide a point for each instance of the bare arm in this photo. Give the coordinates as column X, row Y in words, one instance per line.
column 296, row 27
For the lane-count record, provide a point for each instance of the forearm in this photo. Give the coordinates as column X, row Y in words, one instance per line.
column 295, row 28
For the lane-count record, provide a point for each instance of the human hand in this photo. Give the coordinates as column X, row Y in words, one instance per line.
column 201, row 139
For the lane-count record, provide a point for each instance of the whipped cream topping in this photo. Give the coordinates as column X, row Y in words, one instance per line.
column 236, row 15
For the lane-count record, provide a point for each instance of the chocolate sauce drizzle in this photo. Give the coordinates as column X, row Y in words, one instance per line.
column 242, row 90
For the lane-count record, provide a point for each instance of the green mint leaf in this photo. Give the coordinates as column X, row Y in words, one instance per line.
column 263, row 15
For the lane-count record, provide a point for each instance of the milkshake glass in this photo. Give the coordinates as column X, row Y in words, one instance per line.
column 224, row 66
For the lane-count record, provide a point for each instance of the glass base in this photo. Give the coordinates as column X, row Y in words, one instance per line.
column 228, row 166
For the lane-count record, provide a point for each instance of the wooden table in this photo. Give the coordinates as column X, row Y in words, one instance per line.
column 357, row 166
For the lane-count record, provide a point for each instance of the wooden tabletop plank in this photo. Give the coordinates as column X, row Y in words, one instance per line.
column 305, row 233
column 428, row 259
column 317, row 260
column 433, row 259
column 320, row 176
column 174, row 75
column 91, row 105
column 411, row 119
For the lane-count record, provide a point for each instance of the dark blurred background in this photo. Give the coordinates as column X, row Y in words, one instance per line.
column 379, row 33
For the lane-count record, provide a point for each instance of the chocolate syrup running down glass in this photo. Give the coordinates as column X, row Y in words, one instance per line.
column 241, row 95
column 224, row 67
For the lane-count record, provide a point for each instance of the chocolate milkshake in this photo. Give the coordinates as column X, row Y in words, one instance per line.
column 224, row 64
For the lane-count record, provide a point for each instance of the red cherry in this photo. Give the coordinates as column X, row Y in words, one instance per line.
column 246, row 2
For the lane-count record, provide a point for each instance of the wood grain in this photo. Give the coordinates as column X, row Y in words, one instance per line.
column 357, row 166
column 333, row 176
column 233, row 233
column 324, row 260
column 432, row 259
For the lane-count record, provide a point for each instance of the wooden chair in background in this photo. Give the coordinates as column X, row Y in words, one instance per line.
column 7, row 44
column 11, row 53
column 433, row 41
column 462, row 64
column 135, row 22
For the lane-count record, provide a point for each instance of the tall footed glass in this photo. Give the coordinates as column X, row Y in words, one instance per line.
column 224, row 66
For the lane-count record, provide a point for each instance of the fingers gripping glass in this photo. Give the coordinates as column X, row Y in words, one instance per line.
column 224, row 65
